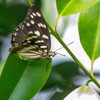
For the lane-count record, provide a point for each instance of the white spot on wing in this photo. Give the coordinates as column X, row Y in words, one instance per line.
column 45, row 50
column 44, row 26
column 15, row 34
column 44, row 36
column 37, row 33
column 43, row 46
column 30, row 32
column 39, row 25
column 39, row 15
column 28, row 24
column 31, row 16
column 40, row 41
column 32, row 22
column 34, row 14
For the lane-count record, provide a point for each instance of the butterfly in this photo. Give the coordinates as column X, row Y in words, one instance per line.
column 31, row 39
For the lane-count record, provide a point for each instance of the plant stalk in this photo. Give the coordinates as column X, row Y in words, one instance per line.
column 53, row 32
column 29, row 2
column 55, row 25
column 92, row 62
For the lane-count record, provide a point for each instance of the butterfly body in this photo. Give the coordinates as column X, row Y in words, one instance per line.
column 31, row 39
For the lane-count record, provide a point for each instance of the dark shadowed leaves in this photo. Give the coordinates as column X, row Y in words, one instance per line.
column 10, row 17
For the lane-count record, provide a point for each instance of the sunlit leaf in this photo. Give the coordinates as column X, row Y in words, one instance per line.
column 89, row 31
column 1, row 66
column 68, row 7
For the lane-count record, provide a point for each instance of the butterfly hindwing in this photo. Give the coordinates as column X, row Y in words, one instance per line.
column 31, row 37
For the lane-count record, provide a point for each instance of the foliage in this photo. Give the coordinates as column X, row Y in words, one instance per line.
column 90, row 31
column 31, row 75
column 23, row 78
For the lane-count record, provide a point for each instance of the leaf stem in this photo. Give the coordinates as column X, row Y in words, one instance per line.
column 87, row 83
column 29, row 2
column 92, row 62
column 53, row 32
column 57, row 19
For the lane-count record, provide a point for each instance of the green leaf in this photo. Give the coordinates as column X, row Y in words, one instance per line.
column 21, row 79
column 68, row 7
column 83, row 93
column 6, row 24
column 60, row 80
column 1, row 66
column 89, row 31
column 62, row 75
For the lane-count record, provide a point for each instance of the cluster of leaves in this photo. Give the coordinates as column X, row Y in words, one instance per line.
column 21, row 79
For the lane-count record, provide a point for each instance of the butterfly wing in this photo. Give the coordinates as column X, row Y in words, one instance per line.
column 31, row 38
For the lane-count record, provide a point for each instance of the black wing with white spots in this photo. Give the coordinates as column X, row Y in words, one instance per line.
column 31, row 38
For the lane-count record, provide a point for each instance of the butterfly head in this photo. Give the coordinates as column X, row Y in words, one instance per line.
column 52, row 54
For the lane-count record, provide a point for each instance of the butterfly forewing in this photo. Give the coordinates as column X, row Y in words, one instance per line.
column 31, row 38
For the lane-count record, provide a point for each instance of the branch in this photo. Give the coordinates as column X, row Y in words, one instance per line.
column 53, row 32
column 29, row 2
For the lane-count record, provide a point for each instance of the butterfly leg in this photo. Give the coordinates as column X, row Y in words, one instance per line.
column 47, row 63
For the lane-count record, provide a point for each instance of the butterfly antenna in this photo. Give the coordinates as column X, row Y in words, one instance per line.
column 62, row 47
column 60, row 54
column 58, row 49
